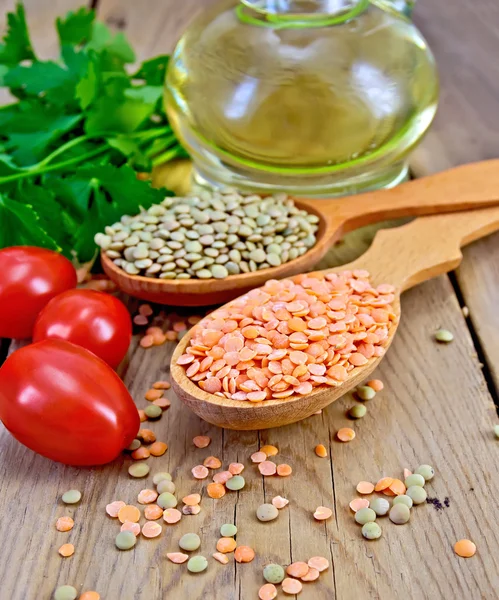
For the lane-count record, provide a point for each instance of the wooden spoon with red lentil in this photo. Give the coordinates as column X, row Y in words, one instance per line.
column 281, row 352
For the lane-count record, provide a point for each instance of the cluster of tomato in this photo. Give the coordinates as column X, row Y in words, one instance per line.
column 60, row 395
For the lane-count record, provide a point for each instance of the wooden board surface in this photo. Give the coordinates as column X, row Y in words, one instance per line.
column 435, row 408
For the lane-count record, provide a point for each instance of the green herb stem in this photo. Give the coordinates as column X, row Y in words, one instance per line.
column 165, row 157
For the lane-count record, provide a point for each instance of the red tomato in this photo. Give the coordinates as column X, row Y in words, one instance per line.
column 29, row 278
column 97, row 321
column 67, row 404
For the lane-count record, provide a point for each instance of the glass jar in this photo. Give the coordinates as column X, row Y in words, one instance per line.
column 309, row 97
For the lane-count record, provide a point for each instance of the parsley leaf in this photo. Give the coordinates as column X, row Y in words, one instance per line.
column 153, row 71
column 17, row 44
column 20, row 226
column 76, row 27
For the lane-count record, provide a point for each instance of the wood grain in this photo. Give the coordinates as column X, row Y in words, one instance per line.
column 435, row 408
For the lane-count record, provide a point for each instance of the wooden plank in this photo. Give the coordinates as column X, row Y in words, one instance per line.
column 466, row 129
column 153, row 28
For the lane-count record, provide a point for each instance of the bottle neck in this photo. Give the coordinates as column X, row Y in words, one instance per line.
column 299, row 8
column 300, row 13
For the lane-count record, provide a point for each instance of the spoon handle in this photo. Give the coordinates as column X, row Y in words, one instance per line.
column 471, row 186
column 424, row 248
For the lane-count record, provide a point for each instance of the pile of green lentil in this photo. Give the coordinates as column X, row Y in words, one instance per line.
column 210, row 235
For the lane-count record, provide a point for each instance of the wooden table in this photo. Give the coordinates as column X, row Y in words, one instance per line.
column 437, row 406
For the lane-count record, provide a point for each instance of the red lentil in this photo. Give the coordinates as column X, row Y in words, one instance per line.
column 64, row 524
column 201, row 441
column 66, row 550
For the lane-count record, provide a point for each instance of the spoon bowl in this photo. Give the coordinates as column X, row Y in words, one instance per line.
column 421, row 254
column 462, row 188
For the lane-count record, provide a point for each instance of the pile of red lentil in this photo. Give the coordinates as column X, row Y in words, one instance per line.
column 291, row 336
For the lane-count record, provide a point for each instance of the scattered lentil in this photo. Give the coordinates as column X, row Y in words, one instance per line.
column 365, row 487
column 153, row 411
column 357, row 503
column 267, row 512
column 134, row 445
column 403, row 499
column 165, row 486
column 217, row 490
column 177, row 557
column 291, row 586
column 426, row 471
column 65, row 592
column 158, row 448
column 415, row 479
column 381, row 506
column 161, row 385
column 345, row 434
column 319, row 563
column 142, row 416
column 258, row 457
column 236, row 468
column 465, row 548
column 129, row 526
column 284, row 470
column 268, row 591
column 138, row 470
column 444, row 336
column 90, row 596
column 197, row 564
column 383, row 484
column 171, row 516
column 129, row 513
column 365, row 392
column 222, row 477
column 397, row 487
column 113, row 508
column 161, row 477
column 66, row 550
column 190, row 542
column 280, row 502
column 297, row 569
column 147, row 496
column 151, row 529
column 244, row 554
column 191, row 510
column 125, row 540
column 200, row 472
column 365, row 515
column 322, row 513
column 71, row 497
column 222, row 558
column 167, row 500
column 417, row 493
column 228, row 530
column 191, row 499
column 371, row 531
column 376, row 384
column 64, row 524
column 235, row 483
column 212, row 462
column 201, row 441
column 273, row 573
column 269, row 450
column 312, row 575
column 321, row 451
column 358, row 411
column 267, row 468
column 496, row 431
column 141, row 453
column 226, row 545
column 399, row 514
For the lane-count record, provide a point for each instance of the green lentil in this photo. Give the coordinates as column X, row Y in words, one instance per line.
column 196, row 564
column 138, row 469
column 414, row 479
column 153, row 412
column 444, row 336
column 371, row 531
column 268, row 232
column 125, row 540
column 163, row 475
column 403, row 499
column 219, row 271
column 189, row 542
column 400, row 513
column 381, row 506
column 165, row 486
column 426, row 471
column 66, row 592
column 71, row 497
column 267, row 512
column 134, row 445
column 228, row 530
column 273, row 573
column 417, row 493
column 365, row 515
column 364, row 392
column 235, row 483
column 358, row 411
column 167, row 500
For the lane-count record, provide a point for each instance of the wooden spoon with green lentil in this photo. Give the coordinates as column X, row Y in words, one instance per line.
column 398, row 259
column 216, row 246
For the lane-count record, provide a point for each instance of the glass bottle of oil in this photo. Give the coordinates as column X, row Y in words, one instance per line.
column 311, row 97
